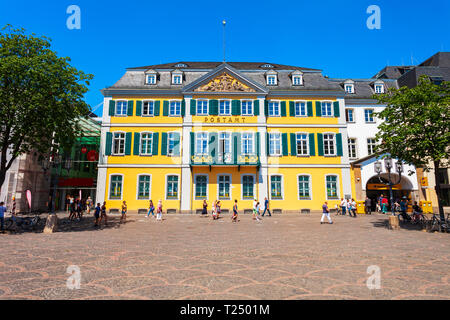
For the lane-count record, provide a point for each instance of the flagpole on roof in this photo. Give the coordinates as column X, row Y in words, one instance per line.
column 224, row 23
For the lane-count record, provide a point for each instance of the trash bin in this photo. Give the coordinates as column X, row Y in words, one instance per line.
column 360, row 208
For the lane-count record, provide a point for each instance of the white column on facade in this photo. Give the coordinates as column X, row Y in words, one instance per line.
column 263, row 171
column 186, row 182
column 102, row 158
column 346, row 176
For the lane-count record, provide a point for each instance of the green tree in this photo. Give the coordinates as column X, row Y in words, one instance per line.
column 417, row 126
column 41, row 96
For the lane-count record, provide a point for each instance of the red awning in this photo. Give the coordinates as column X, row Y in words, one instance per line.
column 76, row 182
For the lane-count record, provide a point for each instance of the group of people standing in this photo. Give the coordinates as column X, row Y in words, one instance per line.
column 76, row 207
column 346, row 205
column 151, row 210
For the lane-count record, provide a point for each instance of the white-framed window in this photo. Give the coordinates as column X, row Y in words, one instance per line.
column 148, row 108
column 271, row 80
column 247, row 141
column 304, row 187
column 115, row 186
column 201, row 186
column 274, row 108
column 276, row 187
column 297, row 80
column 302, row 142
column 275, row 144
column 175, row 108
column 224, row 186
column 368, row 115
column 329, row 148
column 300, row 109
column 331, row 182
column 224, row 107
column 146, row 143
column 327, row 109
column 349, row 88
column 352, row 148
column 201, row 143
column 247, row 107
column 202, row 107
column 177, row 79
column 371, row 144
column 144, row 187
column 118, row 144
column 248, row 187
column 171, row 143
column 379, row 88
column 172, row 187
column 151, row 79
column 121, row 108
column 349, row 115
column 225, row 146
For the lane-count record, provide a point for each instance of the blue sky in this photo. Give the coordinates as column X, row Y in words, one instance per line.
column 327, row 35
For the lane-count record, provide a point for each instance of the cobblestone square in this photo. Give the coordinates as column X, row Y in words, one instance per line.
column 192, row 257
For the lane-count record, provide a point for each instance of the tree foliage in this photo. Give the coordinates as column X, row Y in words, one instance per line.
column 41, row 96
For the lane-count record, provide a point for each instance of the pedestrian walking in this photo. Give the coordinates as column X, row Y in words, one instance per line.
column 338, row 209
column 159, row 211
column 124, row 212
column 384, row 204
column 343, row 206
column 325, row 213
column 205, row 208
column 266, row 207
column 79, row 206
column 2, row 216
column 97, row 214
column 218, row 208
column 258, row 211
column 368, row 205
column 349, row 207
column 214, row 210
column 103, row 214
column 72, row 209
column 353, row 204
column 89, row 205
column 235, row 212
column 67, row 203
column 151, row 209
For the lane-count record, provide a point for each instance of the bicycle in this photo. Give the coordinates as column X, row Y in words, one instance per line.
column 27, row 223
column 436, row 224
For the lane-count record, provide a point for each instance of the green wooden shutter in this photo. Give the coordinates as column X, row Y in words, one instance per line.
column 256, row 107
column 266, row 108
column 183, row 108
column 155, row 143
column 193, row 107
column 164, row 144
column 257, row 144
column 235, row 107
column 283, row 108
column 339, row 144
column 320, row 144
column 108, row 143
column 236, row 148
column 165, row 108
column 213, row 146
column 136, row 144
column 128, row 137
column 318, row 109
column 267, row 143
column 291, row 109
column 284, row 142
column 112, row 108
column 157, row 107
column 192, row 143
column 310, row 108
column 293, row 144
column 213, row 107
column 312, row 145
column 138, row 108
column 336, row 108
column 176, row 144
column 130, row 108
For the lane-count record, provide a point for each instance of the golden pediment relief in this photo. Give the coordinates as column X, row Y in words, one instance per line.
column 225, row 83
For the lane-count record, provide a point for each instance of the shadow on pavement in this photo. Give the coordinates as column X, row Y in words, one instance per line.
column 383, row 222
column 87, row 224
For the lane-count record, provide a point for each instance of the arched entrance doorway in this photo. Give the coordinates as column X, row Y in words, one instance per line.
column 376, row 186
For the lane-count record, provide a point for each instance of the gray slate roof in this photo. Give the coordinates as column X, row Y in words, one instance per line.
column 364, row 88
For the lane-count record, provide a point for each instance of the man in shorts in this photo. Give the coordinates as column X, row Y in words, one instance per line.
column 97, row 214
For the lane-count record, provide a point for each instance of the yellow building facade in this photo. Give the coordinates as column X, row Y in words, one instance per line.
column 188, row 132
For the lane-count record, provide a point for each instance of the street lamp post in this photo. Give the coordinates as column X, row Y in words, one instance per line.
column 388, row 165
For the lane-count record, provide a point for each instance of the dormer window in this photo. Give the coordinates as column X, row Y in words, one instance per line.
column 267, row 65
column 349, row 88
column 151, row 79
column 271, row 80
column 181, row 65
column 297, row 80
column 379, row 88
column 177, row 78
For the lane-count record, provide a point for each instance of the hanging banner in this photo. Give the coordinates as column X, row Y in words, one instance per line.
column 29, row 198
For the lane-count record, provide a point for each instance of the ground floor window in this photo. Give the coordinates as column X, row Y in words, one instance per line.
column 304, row 187
column 115, row 191
column 144, row 187
column 332, row 192
column 201, row 183
column 172, row 187
column 275, row 187
column 248, row 184
column 224, row 187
